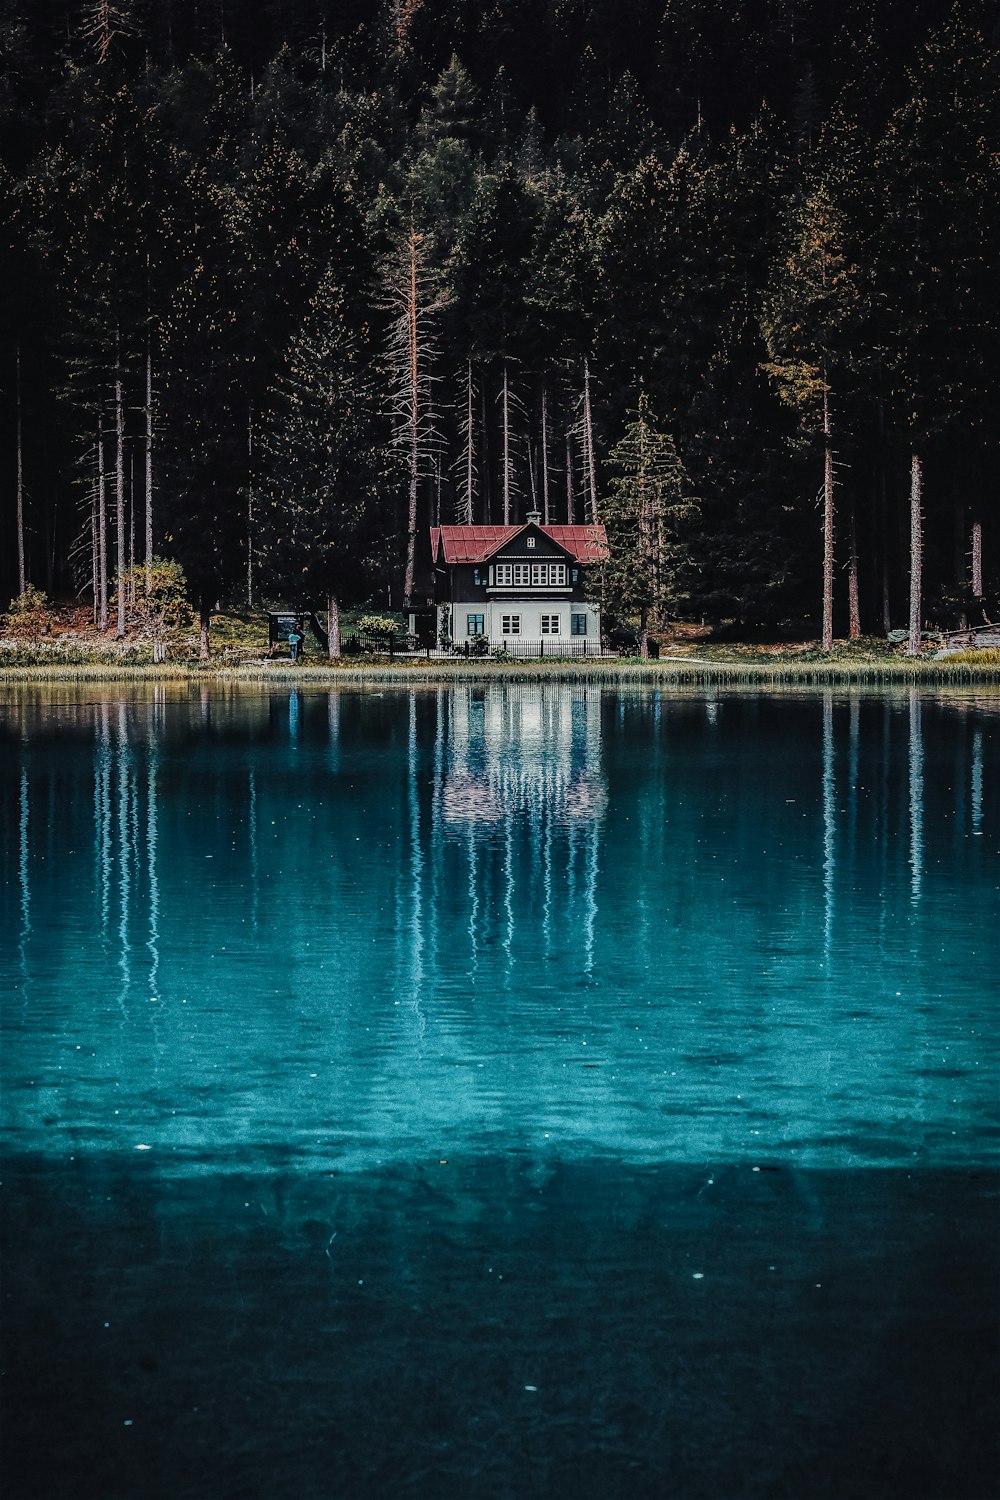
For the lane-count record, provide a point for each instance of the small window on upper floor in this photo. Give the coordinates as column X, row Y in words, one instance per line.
column 529, row 541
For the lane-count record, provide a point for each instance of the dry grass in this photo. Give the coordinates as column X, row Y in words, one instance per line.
column 688, row 655
column 971, row 667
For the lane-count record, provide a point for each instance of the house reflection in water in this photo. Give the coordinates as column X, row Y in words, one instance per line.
column 528, row 751
column 519, row 796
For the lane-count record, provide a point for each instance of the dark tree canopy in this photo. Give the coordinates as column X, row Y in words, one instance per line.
column 778, row 223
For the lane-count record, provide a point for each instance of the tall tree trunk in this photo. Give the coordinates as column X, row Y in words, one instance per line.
column 916, row 550
column 250, row 506
column 853, row 606
column 977, row 559
column 102, row 526
column 487, row 486
column 644, row 631
column 149, row 469
column 131, row 528
column 94, row 575
column 959, row 516
column 333, row 626
column 827, row 523
column 413, row 416
column 204, row 621
column 588, row 432
column 545, row 454
column 569, row 480
column 22, row 577
column 469, row 448
column 119, row 489
column 506, row 447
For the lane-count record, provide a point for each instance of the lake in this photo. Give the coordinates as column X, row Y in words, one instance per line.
column 500, row 1090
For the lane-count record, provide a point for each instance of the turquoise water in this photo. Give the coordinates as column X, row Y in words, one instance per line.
column 521, row 972
column 664, row 926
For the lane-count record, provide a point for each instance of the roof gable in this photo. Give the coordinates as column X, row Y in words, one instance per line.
column 474, row 544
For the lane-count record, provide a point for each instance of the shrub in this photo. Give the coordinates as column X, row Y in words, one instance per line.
column 158, row 604
column 29, row 616
column 377, row 625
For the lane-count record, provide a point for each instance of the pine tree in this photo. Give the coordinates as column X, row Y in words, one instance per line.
column 413, row 302
column 323, row 533
column 936, row 221
column 647, row 513
column 807, row 325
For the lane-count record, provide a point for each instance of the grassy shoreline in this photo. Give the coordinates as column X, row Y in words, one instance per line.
column 745, row 672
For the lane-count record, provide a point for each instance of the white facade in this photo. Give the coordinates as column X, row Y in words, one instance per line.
column 510, row 618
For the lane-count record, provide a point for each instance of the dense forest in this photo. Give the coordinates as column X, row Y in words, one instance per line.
column 288, row 281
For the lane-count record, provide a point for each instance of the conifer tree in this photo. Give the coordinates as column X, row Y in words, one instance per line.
column 323, row 533
column 935, row 185
column 412, row 302
column 806, row 323
column 647, row 513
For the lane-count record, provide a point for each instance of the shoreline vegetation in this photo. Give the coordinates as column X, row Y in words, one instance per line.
column 973, row 668
column 70, row 649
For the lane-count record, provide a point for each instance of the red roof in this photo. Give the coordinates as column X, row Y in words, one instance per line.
column 474, row 544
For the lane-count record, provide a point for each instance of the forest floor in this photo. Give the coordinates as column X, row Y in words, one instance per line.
column 72, row 645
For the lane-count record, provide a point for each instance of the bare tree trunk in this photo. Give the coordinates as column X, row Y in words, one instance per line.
column 827, row 642
column 119, row 489
column 884, row 522
column 487, row 487
column 131, row 528
column 413, row 398
column 250, row 506
column 588, row 431
column 977, row 559
column 853, row 607
column 332, row 626
column 959, row 516
column 469, row 448
column 644, row 631
column 569, row 480
column 545, row 454
column 437, row 489
column 21, row 573
column 204, row 621
column 149, row 469
column 102, row 527
column 506, row 447
column 916, row 550
column 94, row 576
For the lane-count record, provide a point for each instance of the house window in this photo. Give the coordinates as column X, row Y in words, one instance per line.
column 510, row 624
column 475, row 624
column 550, row 624
column 578, row 624
column 529, row 541
column 548, row 575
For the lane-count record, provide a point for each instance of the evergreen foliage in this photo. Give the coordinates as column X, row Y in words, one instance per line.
column 778, row 224
column 648, row 512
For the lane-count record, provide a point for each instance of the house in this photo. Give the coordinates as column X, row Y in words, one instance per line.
column 518, row 585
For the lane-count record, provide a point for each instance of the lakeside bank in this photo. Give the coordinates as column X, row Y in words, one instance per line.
column 900, row 672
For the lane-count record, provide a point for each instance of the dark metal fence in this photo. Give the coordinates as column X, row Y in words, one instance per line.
column 516, row 648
